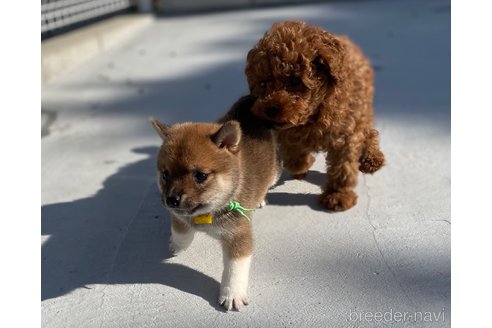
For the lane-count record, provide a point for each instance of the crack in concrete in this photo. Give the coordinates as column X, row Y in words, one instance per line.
column 378, row 247
column 127, row 229
column 106, row 280
column 441, row 220
column 103, row 296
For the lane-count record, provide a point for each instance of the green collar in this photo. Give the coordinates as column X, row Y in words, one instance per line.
column 232, row 206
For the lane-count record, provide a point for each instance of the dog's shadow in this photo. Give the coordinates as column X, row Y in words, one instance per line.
column 94, row 240
column 282, row 198
column 143, row 258
column 313, row 177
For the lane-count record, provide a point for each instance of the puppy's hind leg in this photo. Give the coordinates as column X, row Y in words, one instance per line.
column 181, row 236
column 296, row 160
column 276, row 174
column 372, row 158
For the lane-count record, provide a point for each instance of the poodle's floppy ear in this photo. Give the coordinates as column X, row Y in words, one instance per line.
column 252, row 59
column 329, row 60
column 160, row 128
column 228, row 136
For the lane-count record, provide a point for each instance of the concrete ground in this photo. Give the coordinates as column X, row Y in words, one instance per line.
column 105, row 261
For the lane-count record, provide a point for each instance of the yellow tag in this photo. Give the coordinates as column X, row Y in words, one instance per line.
column 203, row 219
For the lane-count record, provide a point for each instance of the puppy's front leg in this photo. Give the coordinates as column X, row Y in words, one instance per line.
column 237, row 260
column 181, row 236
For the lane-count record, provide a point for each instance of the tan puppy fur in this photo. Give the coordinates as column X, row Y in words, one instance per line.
column 201, row 168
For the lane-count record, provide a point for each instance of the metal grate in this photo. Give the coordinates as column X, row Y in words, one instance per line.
column 60, row 13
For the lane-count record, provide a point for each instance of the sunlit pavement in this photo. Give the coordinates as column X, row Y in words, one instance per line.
column 105, row 261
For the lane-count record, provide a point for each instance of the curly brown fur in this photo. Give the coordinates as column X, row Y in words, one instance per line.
column 317, row 89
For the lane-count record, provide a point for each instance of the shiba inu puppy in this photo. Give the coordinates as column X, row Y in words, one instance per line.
column 211, row 177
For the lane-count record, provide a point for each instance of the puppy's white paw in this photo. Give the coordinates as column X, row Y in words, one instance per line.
column 179, row 242
column 233, row 299
column 234, row 286
column 174, row 247
column 262, row 204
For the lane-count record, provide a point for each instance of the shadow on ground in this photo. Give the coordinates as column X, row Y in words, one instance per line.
column 282, row 198
column 90, row 244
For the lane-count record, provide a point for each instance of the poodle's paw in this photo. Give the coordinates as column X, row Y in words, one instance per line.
column 338, row 200
column 372, row 162
column 233, row 298
column 262, row 204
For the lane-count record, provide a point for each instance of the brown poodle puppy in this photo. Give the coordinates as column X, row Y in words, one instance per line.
column 317, row 90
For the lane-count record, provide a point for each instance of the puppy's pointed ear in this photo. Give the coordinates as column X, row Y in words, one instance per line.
column 228, row 136
column 160, row 128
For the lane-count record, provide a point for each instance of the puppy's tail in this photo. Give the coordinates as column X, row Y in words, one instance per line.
column 372, row 158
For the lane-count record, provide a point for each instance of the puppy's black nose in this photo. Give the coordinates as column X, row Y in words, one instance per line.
column 173, row 201
column 272, row 112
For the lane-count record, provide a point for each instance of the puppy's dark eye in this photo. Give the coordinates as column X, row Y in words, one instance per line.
column 165, row 175
column 263, row 84
column 200, row 176
column 294, row 81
